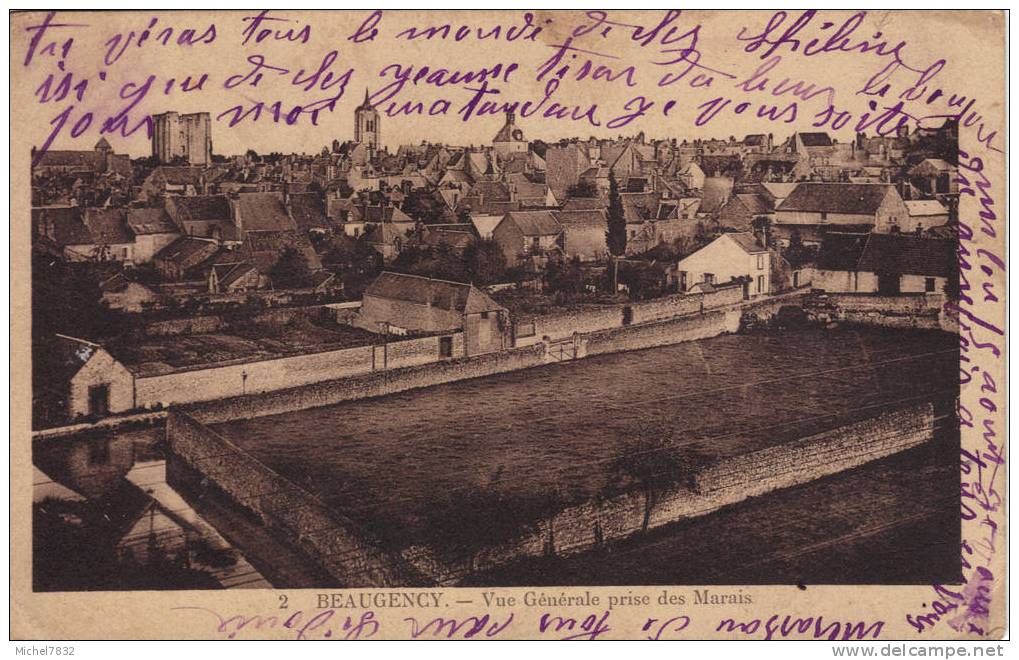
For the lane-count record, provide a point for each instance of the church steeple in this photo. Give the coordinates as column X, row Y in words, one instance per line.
column 366, row 124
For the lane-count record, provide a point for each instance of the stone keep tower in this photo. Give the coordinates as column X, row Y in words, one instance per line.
column 366, row 124
column 186, row 137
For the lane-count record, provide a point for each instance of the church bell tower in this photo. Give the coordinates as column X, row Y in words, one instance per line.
column 366, row 124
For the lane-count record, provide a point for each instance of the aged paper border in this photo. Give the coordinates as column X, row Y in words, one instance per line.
column 148, row 615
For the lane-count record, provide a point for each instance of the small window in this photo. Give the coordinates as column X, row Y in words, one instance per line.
column 760, row 284
column 928, row 285
column 709, row 278
column 524, row 330
column 445, row 347
column 760, row 262
column 484, row 315
column 824, row 216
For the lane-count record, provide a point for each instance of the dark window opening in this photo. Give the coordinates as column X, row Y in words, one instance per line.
column 99, row 400
column 445, row 347
column 928, row 285
column 627, row 315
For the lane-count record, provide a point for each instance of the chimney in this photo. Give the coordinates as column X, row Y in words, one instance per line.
column 510, row 117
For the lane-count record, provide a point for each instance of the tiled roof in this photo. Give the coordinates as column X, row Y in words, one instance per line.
column 262, row 212
column 909, row 255
column 199, row 207
column 815, row 139
column 582, row 217
column 150, row 221
column 109, row 225
column 922, row 207
column 450, row 296
column 756, row 204
column 849, row 198
column 187, row 251
column 746, row 241
column 583, row 203
column 535, row 223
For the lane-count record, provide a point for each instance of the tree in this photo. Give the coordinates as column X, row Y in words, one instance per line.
column 650, row 461
column 486, row 262
column 291, row 270
column 615, row 237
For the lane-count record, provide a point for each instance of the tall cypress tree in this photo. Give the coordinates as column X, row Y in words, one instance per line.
column 615, row 237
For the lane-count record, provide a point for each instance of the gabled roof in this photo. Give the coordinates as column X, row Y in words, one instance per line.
column 74, row 159
column 779, row 190
column 638, row 207
column 108, row 225
column 578, row 217
column 934, row 164
column 227, row 274
column 746, row 241
column 841, row 251
column 534, row 223
column 583, row 203
column 849, row 198
column 442, row 294
column 178, row 175
column 144, row 221
column 909, row 255
column 199, row 207
column 925, row 207
column 262, row 212
column 188, row 251
column 755, row 204
column 815, row 139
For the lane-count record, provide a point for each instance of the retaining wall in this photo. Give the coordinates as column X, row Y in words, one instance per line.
column 903, row 311
column 581, row 527
column 263, row 376
column 333, row 542
column 363, row 386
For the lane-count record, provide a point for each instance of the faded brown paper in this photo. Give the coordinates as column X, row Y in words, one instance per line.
column 971, row 43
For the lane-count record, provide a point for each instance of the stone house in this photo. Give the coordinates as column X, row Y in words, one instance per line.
column 529, row 236
column 177, row 260
column 888, row 264
column 731, row 256
column 815, row 208
column 584, row 233
column 397, row 303
column 925, row 213
column 204, row 216
column 94, row 383
column 153, row 229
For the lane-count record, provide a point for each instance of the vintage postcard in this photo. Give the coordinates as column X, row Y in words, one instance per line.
column 516, row 324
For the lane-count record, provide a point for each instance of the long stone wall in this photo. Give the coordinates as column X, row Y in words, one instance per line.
column 364, row 386
column 582, row 527
column 398, row 377
column 330, row 540
column 264, row 376
column 902, row 311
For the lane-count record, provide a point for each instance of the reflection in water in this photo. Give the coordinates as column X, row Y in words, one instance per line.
column 106, row 497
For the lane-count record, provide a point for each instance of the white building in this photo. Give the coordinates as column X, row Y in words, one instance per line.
column 730, row 256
